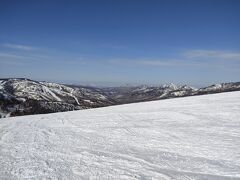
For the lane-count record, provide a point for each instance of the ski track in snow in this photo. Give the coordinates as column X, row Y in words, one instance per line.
column 71, row 94
column 184, row 138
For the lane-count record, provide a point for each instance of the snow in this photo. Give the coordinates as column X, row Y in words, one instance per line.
column 171, row 86
column 88, row 101
column 71, row 94
column 184, row 138
column 1, row 84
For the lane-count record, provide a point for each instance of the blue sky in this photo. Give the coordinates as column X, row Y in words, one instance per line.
column 115, row 42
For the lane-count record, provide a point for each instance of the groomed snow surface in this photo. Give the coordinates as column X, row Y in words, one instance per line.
column 184, row 138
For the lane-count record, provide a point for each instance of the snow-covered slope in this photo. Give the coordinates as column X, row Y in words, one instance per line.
column 184, row 138
column 24, row 96
column 25, row 88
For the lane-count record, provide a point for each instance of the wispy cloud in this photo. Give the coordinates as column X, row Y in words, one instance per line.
column 189, row 58
column 156, row 62
column 212, row 54
column 30, row 58
column 19, row 47
column 169, row 63
column 10, row 55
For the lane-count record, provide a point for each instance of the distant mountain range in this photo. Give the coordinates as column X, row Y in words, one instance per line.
column 24, row 96
column 148, row 93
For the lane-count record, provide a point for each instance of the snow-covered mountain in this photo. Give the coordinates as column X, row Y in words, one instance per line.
column 183, row 138
column 24, row 96
column 149, row 93
column 216, row 88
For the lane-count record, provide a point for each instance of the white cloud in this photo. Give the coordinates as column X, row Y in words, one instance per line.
column 212, row 54
column 19, row 47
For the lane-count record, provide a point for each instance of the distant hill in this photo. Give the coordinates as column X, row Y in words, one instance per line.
column 22, row 96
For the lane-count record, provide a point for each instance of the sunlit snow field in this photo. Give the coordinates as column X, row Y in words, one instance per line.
column 183, row 138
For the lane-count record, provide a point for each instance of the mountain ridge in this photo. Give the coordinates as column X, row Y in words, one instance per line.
column 22, row 96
